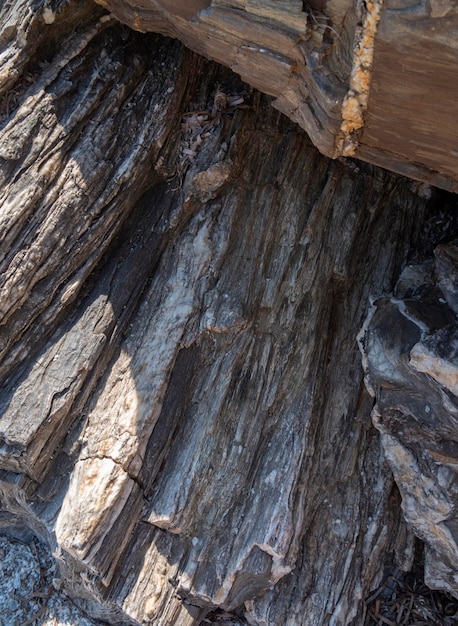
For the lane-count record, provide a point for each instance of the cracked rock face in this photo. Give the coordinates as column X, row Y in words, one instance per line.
column 344, row 70
column 182, row 415
column 410, row 353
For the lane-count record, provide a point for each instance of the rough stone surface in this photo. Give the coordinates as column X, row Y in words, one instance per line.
column 29, row 588
column 182, row 414
column 410, row 351
column 375, row 79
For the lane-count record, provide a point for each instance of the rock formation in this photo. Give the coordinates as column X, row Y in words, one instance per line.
column 183, row 276
column 409, row 344
column 375, row 79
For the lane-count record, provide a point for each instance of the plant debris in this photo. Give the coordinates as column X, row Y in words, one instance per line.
column 407, row 601
column 199, row 123
column 222, row 618
column 9, row 101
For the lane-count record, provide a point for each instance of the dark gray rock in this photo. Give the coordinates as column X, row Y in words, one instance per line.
column 410, row 354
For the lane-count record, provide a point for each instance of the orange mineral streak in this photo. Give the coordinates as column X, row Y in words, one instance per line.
column 355, row 102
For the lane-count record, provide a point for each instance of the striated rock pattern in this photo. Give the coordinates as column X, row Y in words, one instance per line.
column 284, row 49
column 182, row 278
column 375, row 79
column 410, row 351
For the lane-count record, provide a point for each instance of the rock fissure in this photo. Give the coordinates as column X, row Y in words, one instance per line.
column 208, row 426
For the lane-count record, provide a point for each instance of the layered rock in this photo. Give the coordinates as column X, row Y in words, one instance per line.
column 183, row 418
column 409, row 343
column 375, row 79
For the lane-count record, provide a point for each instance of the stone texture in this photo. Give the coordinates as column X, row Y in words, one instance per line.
column 409, row 344
column 183, row 418
column 354, row 75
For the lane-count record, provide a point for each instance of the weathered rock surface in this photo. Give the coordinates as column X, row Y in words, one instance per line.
column 410, row 348
column 29, row 587
column 183, row 417
column 375, row 79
